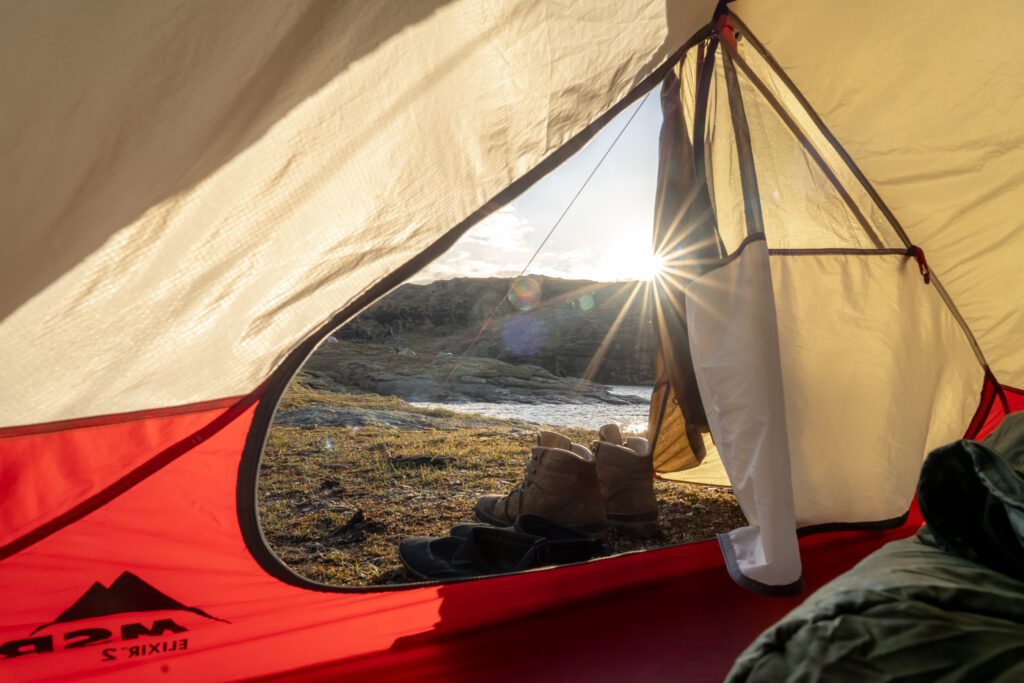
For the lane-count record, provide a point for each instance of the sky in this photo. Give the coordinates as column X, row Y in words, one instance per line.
column 605, row 236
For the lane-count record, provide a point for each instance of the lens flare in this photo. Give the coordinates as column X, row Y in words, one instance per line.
column 524, row 334
column 525, row 293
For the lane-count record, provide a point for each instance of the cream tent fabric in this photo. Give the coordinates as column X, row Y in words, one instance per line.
column 925, row 98
column 191, row 188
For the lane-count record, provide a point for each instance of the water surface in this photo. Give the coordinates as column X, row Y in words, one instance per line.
column 632, row 417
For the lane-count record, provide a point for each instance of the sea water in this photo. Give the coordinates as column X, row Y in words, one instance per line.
column 630, row 417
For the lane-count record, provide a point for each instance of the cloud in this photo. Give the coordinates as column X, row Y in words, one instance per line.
column 502, row 244
column 462, row 263
column 576, row 264
column 503, row 231
column 499, row 246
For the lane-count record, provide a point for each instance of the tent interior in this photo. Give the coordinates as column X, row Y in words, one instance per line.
column 203, row 192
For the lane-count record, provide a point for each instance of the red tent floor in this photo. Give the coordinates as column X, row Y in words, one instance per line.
column 690, row 628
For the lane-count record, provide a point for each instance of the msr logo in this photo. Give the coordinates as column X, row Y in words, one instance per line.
column 128, row 593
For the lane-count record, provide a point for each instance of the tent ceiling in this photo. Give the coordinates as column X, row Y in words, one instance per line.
column 192, row 188
column 926, row 98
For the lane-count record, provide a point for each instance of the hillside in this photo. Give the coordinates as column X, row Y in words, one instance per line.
column 553, row 323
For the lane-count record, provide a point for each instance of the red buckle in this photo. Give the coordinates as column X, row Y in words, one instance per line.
column 922, row 263
column 726, row 31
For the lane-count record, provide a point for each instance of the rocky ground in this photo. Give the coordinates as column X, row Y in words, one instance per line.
column 414, row 373
column 345, row 476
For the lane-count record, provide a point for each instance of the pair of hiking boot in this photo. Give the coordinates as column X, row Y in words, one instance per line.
column 587, row 490
column 482, row 549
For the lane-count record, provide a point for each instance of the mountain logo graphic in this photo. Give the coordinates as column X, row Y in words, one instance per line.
column 128, row 593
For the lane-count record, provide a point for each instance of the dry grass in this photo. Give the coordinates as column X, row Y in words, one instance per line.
column 301, row 395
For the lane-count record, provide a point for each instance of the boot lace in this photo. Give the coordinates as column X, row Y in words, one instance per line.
column 527, row 482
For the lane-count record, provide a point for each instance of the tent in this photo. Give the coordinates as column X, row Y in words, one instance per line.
column 195, row 194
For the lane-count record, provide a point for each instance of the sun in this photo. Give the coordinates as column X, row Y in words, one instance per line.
column 649, row 266
column 630, row 259
column 640, row 264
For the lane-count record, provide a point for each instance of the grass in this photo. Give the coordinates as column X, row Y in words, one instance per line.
column 335, row 501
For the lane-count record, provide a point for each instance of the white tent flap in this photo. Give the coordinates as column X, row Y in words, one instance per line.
column 735, row 346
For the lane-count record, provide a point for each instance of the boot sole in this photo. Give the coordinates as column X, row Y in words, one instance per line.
column 597, row 530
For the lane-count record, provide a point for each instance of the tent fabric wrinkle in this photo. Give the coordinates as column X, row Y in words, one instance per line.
column 45, row 475
column 75, row 503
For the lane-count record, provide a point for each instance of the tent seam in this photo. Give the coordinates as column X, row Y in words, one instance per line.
column 93, row 421
column 129, row 480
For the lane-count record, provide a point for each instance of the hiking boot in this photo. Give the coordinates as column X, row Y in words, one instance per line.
column 626, row 472
column 560, row 484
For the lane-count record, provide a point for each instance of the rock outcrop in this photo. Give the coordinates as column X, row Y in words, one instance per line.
column 444, row 378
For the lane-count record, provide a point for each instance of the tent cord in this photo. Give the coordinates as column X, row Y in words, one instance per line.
column 515, row 281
